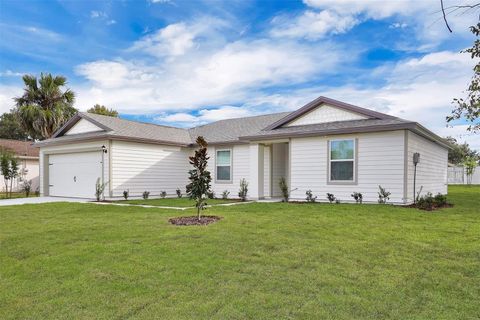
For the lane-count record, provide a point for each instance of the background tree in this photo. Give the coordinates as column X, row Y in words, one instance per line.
column 100, row 109
column 460, row 152
column 10, row 127
column 470, row 164
column 468, row 108
column 200, row 178
column 9, row 169
column 44, row 107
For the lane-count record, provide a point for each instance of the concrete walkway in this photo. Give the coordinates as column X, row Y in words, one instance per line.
column 18, row 201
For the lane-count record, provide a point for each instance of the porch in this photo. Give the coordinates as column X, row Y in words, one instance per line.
column 269, row 162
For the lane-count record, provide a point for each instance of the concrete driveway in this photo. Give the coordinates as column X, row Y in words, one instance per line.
column 12, row 202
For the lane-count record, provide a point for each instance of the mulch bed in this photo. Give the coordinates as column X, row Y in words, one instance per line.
column 193, row 221
column 433, row 208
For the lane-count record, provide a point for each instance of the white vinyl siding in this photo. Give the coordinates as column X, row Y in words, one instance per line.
column 140, row 167
column 240, row 169
column 83, row 126
column 432, row 168
column 380, row 162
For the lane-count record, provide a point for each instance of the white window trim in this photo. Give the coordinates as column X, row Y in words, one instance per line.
column 231, row 165
column 355, row 162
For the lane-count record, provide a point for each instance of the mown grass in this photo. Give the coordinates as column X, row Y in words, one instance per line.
column 173, row 202
column 262, row 261
column 16, row 195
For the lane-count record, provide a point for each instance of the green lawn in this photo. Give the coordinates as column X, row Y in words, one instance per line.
column 262, row 261
column 16, row 195
column 173, row 202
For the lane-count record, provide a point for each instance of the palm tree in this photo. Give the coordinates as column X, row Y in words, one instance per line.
column 44, row 107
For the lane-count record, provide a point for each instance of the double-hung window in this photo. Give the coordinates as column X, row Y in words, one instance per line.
column 342, row 160
column 223, row 164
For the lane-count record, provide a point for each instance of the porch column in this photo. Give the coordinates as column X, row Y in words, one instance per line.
column 256, row 171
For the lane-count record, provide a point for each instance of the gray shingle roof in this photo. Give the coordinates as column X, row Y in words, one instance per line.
column 337, row 127
column 255, row 128
column 231, row 129
column 140, row 130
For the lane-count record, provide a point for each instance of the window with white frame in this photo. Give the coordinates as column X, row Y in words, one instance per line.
column 224, row 165
column 342, row 160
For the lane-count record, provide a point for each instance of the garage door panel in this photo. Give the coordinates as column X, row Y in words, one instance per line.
column 74, row 174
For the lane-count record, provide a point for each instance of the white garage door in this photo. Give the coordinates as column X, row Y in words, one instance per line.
column 74, row 174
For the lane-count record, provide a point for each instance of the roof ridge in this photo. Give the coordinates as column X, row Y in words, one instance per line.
column 247, row 117
column 128, row 120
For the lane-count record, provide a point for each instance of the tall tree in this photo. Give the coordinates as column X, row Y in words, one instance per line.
column 44, row 106
column 460, row 152
column 10, row 127
column 469, row 108
column 100, row 109
column 200, row 178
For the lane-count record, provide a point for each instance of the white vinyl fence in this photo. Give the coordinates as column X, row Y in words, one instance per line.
column 457, row 175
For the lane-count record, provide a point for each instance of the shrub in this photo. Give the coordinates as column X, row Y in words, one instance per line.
column 27, row 187
column 425, row 202
column 337, row 201
column 284, row 189
column 145, row 195
column 199, row 187
column 440, row 200
column 358, row 197
column 243, row 191
column 126, row 193
column 225, row 194
column 383, row 195
column 163, row 194
column 37, row 192
column 179, row 193
column 331, row 198
column 99, row 188
column 211, row 195
column 310, row 197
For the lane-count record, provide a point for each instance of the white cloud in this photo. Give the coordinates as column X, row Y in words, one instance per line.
column 210, row 76
column 313, row 25
column 325, row 17
column 177, row 39
column 173, row 40
column 7, row 93
column 205, row 116
column 10, row 73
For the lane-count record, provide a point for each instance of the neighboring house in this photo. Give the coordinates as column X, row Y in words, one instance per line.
column 27, row 155
column 325, row 146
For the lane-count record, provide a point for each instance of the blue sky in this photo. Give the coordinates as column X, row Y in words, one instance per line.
column 186, row 63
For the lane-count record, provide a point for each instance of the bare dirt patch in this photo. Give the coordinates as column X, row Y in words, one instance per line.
column 194, row 221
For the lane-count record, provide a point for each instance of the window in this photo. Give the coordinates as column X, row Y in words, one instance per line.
column 342, row 160
column 224, row 165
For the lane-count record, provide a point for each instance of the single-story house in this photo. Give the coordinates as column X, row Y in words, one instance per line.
column 325, row 146
column 27, row 155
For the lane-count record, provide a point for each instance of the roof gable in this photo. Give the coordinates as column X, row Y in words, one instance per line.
column 335, row 109
column 323, row 114
column 83, row 126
